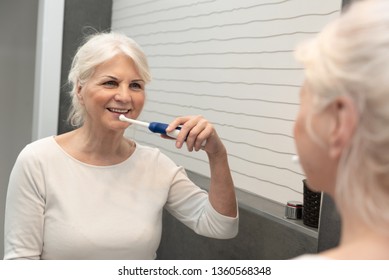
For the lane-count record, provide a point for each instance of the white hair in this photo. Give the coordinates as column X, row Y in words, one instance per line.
column 97, row 49
column 350, row 57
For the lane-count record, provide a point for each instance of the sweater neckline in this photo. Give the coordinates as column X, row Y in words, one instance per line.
column 129, row 159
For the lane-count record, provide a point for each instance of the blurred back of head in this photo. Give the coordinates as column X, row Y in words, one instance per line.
column 350, row 57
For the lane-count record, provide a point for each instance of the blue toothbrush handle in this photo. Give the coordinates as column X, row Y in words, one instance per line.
column 157, row 127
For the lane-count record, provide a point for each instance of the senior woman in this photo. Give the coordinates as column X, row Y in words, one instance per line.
column 341, row 131
column 92, row 193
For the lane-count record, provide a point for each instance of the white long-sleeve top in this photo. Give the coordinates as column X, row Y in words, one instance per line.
column 60, row 208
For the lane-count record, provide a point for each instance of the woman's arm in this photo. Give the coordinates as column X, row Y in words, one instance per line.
column 198, row 134
column 24, row 213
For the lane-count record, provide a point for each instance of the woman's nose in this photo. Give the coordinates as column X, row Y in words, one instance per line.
column 123, row 95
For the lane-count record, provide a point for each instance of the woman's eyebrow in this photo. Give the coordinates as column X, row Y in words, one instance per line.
column 116, row 79
column 110, row 77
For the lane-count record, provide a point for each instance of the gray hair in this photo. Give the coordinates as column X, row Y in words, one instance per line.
column 97, row 49
column 350, row 57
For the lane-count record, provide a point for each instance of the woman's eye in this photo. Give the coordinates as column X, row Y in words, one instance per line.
column 110, row 83
column 136, row 86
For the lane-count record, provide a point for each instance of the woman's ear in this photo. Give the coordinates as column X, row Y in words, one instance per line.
column 345, row 122
column 79, row 95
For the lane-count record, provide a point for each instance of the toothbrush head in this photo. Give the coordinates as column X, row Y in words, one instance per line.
column 122, row 118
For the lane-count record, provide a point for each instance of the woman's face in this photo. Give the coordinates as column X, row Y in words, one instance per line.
column 319, row 168
column 115, row 88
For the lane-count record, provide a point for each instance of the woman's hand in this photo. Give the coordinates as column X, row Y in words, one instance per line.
column 198, row 134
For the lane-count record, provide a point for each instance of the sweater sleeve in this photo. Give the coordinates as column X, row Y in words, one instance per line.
column 25, row 205
column 190, row 204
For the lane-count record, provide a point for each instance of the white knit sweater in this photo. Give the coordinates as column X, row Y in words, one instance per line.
column 60, row 208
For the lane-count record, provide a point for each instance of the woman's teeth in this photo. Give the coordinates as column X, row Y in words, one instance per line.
column 120, row 111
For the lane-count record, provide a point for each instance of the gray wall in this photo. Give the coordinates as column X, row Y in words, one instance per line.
column 330, row 225
column 264, row 234
column 259, row 238
column 81, row 18
column 18, row 25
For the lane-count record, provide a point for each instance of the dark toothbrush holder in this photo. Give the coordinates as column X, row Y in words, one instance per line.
column 311, row 210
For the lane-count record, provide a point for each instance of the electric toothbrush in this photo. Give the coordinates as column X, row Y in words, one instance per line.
column 155, row 127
